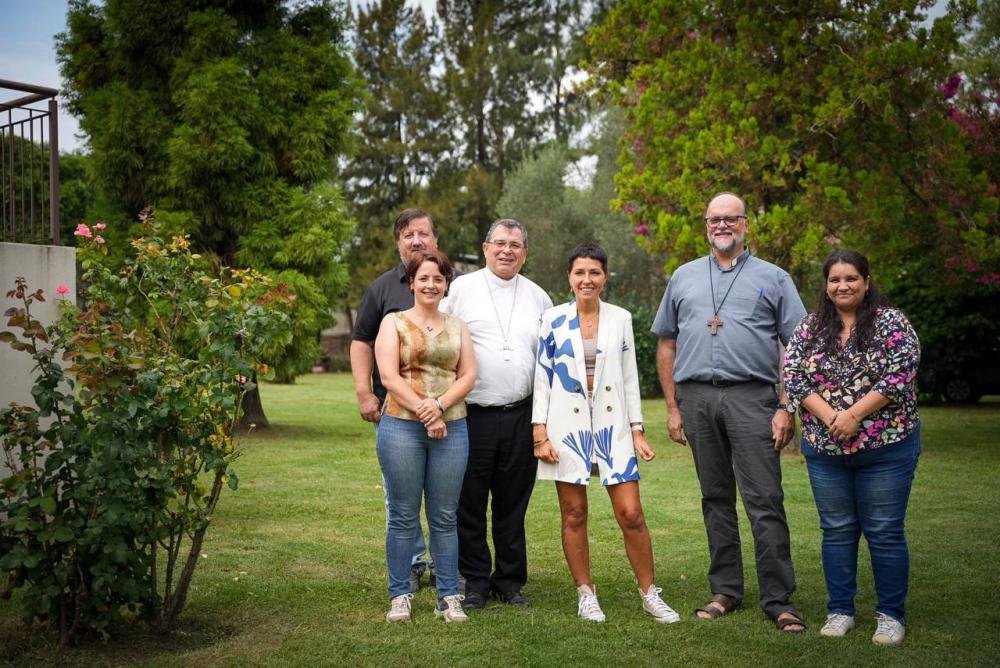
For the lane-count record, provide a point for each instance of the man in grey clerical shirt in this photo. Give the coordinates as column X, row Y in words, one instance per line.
column 720, row 323
column 502, row 309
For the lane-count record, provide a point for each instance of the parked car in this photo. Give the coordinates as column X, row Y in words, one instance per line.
column 965, row 383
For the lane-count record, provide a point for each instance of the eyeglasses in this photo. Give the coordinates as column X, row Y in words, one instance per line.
column 502, row 245
column 731, row 221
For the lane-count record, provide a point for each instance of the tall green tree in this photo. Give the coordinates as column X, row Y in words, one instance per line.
column 402, row 134
column 554, row 214
column 563, row 25
column 231, row 116
column 559, row 216
column 491, row 49
column 827, row 116
column 636, row 268
column 980, row 57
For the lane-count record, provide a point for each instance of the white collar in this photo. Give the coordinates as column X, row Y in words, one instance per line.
column 495, row 281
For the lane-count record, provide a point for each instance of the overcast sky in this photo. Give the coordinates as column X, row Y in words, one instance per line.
column 27, row 49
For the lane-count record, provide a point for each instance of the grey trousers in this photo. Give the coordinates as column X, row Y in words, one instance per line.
column 729, row 430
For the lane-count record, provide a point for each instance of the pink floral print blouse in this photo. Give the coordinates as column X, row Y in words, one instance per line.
column 888, row 366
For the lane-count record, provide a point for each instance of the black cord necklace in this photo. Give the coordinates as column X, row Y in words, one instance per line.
column 715, row 323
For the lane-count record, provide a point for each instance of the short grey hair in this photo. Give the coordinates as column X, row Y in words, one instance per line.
column 510, row 224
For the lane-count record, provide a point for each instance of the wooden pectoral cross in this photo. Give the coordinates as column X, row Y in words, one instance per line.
column 714, row 324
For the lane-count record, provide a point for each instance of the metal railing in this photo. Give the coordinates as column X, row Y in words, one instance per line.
column 29, row 164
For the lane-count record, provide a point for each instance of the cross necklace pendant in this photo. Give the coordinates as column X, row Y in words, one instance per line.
column 715, row 323
column 505, row 349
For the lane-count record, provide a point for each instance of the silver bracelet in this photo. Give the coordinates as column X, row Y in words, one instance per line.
column 437, row 400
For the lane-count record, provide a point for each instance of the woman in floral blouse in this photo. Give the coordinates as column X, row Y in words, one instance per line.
column 851, row 368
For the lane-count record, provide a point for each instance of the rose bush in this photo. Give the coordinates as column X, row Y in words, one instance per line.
column 117, row 468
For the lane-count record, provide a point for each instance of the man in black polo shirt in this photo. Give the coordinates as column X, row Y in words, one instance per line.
column 414, row 232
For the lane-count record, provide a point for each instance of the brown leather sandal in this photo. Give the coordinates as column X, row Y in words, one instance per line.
column 791, row 618
column 726, row 603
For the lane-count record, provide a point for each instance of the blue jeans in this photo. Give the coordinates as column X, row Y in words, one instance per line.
column 867, row 493
column 415, row 466
column 420, row 545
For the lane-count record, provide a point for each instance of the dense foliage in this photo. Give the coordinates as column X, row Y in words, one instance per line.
column 559, row 216
column 833, row 120
column 456, row 102
column 402, row 132
column 231, row 116
column 117, row 468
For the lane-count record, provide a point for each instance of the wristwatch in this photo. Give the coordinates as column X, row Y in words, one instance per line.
column 788, row 408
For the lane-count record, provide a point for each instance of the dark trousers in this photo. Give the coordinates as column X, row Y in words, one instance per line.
column 729, row 429
column 501, row 463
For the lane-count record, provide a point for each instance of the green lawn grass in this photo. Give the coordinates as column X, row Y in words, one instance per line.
column 294, row 573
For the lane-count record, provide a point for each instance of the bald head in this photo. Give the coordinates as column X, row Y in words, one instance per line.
column 726, row 225
column 727, row 198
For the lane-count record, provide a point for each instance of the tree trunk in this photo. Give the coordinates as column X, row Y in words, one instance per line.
column 253, row 410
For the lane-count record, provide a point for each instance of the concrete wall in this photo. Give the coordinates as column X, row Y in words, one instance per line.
column 43, row 267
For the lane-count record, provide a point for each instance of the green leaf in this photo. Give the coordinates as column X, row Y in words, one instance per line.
column 234, row 480
column 62, row 534
column 48, row 504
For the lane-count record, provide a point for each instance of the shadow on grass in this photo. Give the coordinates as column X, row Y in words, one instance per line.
column 32, row 646
column 282, row 432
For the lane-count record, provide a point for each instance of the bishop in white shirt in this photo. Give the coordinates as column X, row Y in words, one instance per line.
column 501, row 309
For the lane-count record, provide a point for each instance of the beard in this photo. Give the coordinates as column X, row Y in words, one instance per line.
column 736, row 241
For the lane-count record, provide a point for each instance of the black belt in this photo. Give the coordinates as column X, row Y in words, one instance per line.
column 505, row 407
column 718, row 382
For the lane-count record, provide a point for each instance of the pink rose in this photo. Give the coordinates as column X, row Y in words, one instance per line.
column 62, row 289
column 99, row 226
column 98, row 239
column 82, row 231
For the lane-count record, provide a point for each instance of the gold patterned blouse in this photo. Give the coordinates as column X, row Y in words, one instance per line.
column 428, row 362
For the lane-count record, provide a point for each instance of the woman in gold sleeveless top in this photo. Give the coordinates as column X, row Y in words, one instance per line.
column 426, row 361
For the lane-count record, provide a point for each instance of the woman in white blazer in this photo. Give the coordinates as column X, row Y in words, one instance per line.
column 586, row 413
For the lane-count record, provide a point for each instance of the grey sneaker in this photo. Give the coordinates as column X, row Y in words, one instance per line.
column 888, row 631
column 654, row 606
column 450, row 609
column 837, row 625
column 400, row 610
column 416, row 571
column 588, row 607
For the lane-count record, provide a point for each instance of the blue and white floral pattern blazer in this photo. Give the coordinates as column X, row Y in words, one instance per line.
column 579, row 434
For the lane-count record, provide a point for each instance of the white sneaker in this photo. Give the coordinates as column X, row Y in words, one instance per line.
column 653, row 605
column 589, row 608
column 400, row 610
column 450, row 609
column 837, row 625
column 888, row 630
